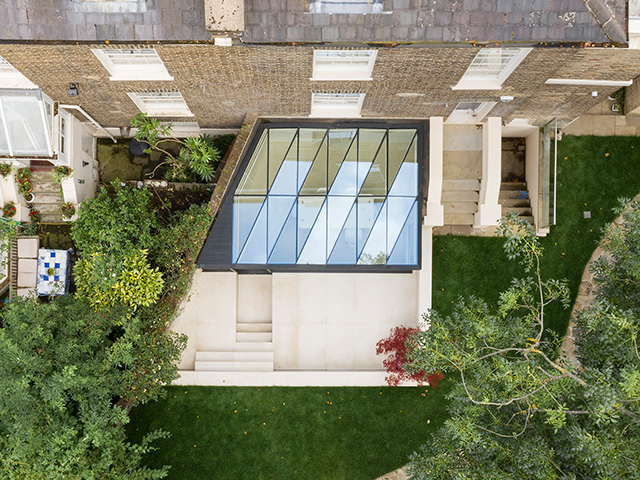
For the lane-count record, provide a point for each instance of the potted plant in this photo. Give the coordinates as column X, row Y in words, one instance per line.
column 5, row 169
column 23, row 178
column 67, row 210
column 60, row 173
column 9, row 209
column 35, row 216
column 51, row 271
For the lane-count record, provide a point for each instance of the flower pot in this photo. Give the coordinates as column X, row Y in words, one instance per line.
column 29, row 197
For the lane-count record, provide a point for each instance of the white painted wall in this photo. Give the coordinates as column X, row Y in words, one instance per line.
column 489, row 210
column 435, row 210
column 82, row 150
column 208, row 315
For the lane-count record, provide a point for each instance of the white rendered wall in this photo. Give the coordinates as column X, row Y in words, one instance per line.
column 435, row 210
column 208, row 315
column 489, row 210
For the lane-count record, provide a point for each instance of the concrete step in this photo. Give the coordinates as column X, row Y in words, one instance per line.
column 47, row 197
column 458, row 219
column 253, row 327
column 463, row 164
column 513, row 186
column 453, row 196
column 514, row 202
column 51, row 218
column 234, row 356
column 40, row 175
column 460, row 207
column 253, row 347
column 511, row 193
column 234, row 366
column 47, row 208
column 458, row 184
column 45, row 187
column 254, row 337
column 521, row 211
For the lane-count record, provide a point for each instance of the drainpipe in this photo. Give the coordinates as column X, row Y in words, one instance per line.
column 90, row 118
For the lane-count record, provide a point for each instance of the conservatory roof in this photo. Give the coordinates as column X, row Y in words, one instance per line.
column 25, row 124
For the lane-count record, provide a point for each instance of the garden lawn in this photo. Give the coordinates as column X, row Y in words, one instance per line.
column 286, row 432
column 362, row 433
column 593, row 173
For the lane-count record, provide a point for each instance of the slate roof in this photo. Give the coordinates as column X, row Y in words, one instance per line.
column 437, row 21
column 83, row 20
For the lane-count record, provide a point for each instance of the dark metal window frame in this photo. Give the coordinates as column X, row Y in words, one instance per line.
column 226, row 210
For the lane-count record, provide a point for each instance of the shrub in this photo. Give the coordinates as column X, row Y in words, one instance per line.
column 107, row 281
column 398, row 345
column 23, row 178
column 115, row 224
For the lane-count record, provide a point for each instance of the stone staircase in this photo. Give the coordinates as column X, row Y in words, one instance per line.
column 252, row 348
column 461, row 186
column 252, row 352
column 48, row 197
column 509, row 193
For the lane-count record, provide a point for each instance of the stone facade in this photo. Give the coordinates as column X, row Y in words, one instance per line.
column 222, row 84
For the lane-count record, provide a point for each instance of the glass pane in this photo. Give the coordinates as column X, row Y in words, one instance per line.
column 309, row 142
column 254, row 180
column 279, row 211
column 285, row 182
column 368, row 210
column 316, row 181
column 338, row 209
column 344, row 250
column 376, row 181
column 399, row 142
column 4, row 143
column 284, row 251
column 315, row 248
column 339, row 142
column 345, row 181
column 308, row 209
column 245, row 212
column 27, row 129
column 406, row 181
column 255, row 250
column 405, row 251
column 375, row 248
column 398, row 208
column 280, row 139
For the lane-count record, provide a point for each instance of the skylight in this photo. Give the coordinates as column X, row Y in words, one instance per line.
column 329, row 196
column 24, row 129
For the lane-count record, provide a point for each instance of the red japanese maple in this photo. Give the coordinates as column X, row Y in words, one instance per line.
column 397, row 346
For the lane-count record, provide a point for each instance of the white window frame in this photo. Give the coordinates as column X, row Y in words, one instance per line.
column 477, row 79
column 467, row 116
column 63, row 136
column 336, row 105
column 161, row 104
column 10, row 77
column 128, row 64
column 343, row 64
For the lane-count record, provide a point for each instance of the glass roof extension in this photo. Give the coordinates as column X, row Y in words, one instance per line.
column 24, row 128
column 329, row 196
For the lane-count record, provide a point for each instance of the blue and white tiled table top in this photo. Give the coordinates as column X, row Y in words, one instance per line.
column 55, row 284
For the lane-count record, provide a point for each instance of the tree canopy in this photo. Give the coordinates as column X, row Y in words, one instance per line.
column 65, row 369
column 519, row 409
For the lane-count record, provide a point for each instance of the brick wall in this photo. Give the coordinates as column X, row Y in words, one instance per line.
column 222, row 84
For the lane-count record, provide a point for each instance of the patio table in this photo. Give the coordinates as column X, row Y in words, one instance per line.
column 55, row 284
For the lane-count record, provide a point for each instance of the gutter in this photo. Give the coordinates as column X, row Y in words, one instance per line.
column 90, row 118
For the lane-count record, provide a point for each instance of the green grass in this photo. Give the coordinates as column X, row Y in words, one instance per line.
column 593, row 172
column 286, row 433
column 377, row 433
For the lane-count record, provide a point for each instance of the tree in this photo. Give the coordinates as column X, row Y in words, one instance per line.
column 520, row 409
column 64, row 369
column 198, row 155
